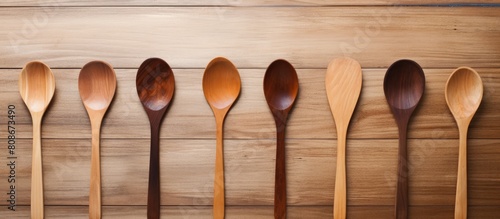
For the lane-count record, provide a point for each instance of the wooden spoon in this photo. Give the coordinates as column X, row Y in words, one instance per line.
column 281, row 86
column 464, row 92
column 404, row 85
column 155, row 86
column 37, row 87
column 97, row 86
column 343, row 85
column 221, row 86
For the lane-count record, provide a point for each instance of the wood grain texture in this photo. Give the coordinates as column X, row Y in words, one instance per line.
column 265, row 212
column 155, row 84
column 464, row 91
column 375, row 36
column 431, row 120
column 404, row 86
column 97, row 87
column 252, row 33
column 37, row 87
column 281, row 86
column 62, row 3
column 343, row 82
column 221, row 87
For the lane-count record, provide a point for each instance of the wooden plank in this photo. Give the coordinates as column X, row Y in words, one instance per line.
column 251, row 212
column 187, row 171
column 252, row 37
column 190, row 116
column 62, row 3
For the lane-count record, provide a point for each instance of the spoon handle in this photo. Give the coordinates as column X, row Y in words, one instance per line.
column 461, row 199
column 339, row 203
column 280, row 177
column 36, row 171
column 219, row 202
column 154, row 174
column 402, row 184
column 95, row 172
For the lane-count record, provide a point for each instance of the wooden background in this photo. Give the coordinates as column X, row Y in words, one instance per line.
column 66, row 34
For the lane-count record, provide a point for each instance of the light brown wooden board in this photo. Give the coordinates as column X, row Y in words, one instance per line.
column 191, row 117
column 439, row 38
column 265, row 212
column 187, row 171
column 239, row 2
column 251, row 37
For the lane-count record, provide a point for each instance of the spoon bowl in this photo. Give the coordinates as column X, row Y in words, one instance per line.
column 155, row 85
column 343, row 83
column 404, row 85
column 281, row 86
column 464, row 92
column 37, row 87
column 221, row 87
column 97, row 87
column 221, row 95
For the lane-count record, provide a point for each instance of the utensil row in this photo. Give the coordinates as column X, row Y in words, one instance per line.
column 404, row 85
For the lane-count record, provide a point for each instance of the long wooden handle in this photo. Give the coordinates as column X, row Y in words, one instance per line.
column 219, row 202
column 461, row 196
column 36, row 171
column 339, row 203
column 154, row 175
column 280, row 177
column 402, row 184
column 95, row 172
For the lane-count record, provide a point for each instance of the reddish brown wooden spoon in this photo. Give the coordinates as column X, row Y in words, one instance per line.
column 155, row 86
column 281, row 86
column 404, row 85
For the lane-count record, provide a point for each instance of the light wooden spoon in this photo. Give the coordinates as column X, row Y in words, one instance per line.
column 343, row 86
column 281, row 87
column 464, row 92
column 37, row 87
column 155, row 85
column 97, row 86
column 221, row 86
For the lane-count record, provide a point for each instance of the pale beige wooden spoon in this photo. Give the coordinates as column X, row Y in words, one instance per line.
column 97, row 85
column 37, row 87
column 464, row 92
column 343, row 86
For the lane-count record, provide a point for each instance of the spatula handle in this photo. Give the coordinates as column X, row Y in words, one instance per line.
column 280, row 177
column 402, row 183
column 36, row 171
column 95, row 172
column 461, row 196
column 154, row 175
column 219, row 196
column 339, row 203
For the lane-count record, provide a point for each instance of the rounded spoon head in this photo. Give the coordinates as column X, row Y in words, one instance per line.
column 281, row 85
column 37, row 86
column 221, row 83
column 97, row 85
column 343, row 83
column 464, row 92
column 404, row 85
column 155, row 84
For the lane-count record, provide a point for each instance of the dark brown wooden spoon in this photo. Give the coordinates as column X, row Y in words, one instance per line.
column 155, row 86
column 281, row 86
column 404, row 85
